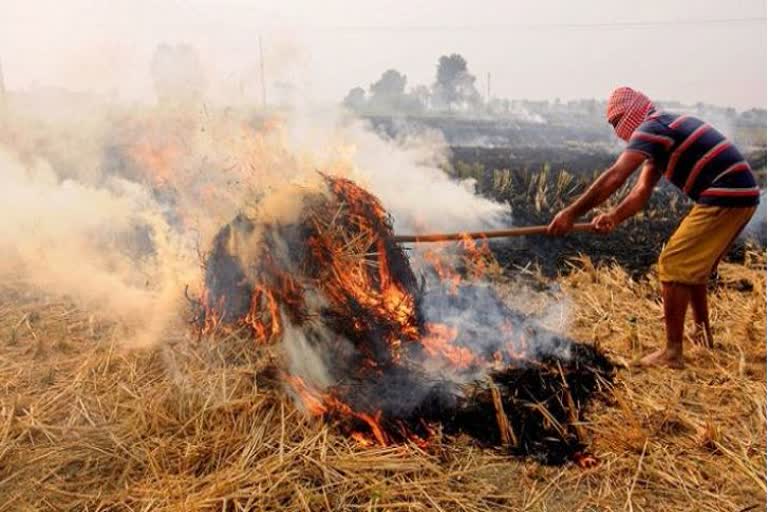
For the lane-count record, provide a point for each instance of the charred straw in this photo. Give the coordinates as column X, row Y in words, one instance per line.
column 402, row 364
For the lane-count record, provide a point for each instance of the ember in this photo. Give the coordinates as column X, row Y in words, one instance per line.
column 402, row 358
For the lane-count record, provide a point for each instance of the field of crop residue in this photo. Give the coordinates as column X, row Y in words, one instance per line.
column 199, row 424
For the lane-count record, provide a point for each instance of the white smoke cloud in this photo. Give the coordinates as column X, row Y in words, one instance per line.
column 405, row 173
column 111, row 213
column 110, row 203
column 756, row 229
column 68, row 238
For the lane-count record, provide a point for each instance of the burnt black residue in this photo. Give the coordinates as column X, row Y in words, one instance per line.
column 226, row 285
column 542, row 394
column 541, row 400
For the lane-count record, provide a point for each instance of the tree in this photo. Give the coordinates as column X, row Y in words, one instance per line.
column 355, row 99
column 421, row 97
column 389, row 91
column 454, row 85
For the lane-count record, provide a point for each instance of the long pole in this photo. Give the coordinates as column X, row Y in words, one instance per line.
column 501, row 233
column 263, row 81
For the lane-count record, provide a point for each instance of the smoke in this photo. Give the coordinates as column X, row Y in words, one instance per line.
column 405, row 173
column 304, row 358
column 756, row 229
column 114, row 205
column 111, row 204
column 68, row 238
column 177, row 74
column 492, row 311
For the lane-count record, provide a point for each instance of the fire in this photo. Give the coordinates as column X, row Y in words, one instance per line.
column 337, row 270
column 311, row 399
column 438, row 343
column 446, row 274
column 267, row 327
column 319, row 404
column 364, row 289
column 158, row 162
column 478, row 258
column 378, row 294
column 212, row 314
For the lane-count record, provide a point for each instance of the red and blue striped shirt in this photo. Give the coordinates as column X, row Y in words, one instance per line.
column 696, row 158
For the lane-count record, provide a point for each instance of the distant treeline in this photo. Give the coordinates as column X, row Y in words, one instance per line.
column 454, row 95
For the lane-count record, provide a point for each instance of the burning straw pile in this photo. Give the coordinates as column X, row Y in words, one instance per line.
column 86, row 425
column 387, row 356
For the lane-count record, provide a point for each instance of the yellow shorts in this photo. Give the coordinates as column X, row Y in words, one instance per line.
column 702, row 238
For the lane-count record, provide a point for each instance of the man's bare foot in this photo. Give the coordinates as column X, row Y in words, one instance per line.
column 663, row 357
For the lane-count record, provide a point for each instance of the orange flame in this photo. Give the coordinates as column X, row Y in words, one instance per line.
column 353, row 266
column 157, row 162
column 438, row 343
column 318, row 404
column 443, row 271
column 264, row 322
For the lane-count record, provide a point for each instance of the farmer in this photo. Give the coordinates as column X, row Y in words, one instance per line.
column 698, row 159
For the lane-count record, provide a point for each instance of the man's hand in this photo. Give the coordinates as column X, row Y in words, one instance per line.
column 604, row 223
column 561, row 224
column 608, row 183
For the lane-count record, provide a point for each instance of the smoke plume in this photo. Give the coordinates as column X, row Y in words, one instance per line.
column 113, row 204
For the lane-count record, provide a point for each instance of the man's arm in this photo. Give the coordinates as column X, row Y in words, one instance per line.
column 633, row 203
column 598, row 192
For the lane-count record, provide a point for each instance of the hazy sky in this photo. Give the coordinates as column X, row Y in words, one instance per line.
column 689, row 50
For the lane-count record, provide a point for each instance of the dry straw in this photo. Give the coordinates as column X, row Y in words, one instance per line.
column 201, row 425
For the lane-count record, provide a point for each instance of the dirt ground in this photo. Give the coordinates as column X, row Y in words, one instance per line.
column 188, row 425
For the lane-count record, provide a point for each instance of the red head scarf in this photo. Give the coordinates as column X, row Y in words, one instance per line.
column 632, row 106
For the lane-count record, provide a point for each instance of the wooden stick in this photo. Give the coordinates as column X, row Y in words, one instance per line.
column 508, row 438
column 573, row 413
column 446, row 237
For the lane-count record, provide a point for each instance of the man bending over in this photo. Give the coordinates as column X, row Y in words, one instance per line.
column 704, row 164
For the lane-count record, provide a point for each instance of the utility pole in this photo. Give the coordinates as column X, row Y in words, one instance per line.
column 263, row 81
column 488, row 84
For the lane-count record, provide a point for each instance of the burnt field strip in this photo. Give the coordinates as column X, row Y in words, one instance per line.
column 538, row 182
